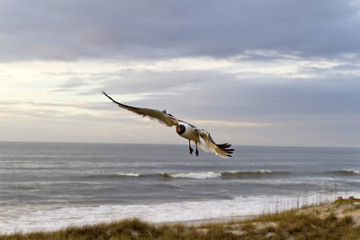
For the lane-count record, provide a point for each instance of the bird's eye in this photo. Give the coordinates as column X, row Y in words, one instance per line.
column 180, row 129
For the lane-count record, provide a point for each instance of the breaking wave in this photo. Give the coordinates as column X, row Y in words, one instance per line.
column 198, row 175
column 194, row 175
column 346, row 172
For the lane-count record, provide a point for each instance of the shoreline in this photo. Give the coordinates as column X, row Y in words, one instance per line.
column 189, row 223
column 327, row 220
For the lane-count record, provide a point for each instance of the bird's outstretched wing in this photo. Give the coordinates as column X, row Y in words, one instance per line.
column 163, row 117
column 223, row 150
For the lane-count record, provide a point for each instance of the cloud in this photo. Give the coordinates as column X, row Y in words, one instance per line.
column 232, row 124
column 69, row 30
column 200, row 88
column 252, row 71
column 223, row 97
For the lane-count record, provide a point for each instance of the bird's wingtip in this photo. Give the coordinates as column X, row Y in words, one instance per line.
column 227, row 151
column 103, row 92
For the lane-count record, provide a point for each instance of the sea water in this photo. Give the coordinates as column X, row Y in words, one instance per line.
column 49, row 186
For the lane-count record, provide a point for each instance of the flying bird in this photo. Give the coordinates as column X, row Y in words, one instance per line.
column 183, row 129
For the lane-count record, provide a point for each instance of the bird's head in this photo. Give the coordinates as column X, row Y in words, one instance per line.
column 180, row 129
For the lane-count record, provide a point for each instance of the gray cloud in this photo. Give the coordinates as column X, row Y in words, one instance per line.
column 70, row 30
column 214, row 95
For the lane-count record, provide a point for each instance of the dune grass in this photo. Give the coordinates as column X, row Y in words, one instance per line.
column 329, row 221
column 127, row 229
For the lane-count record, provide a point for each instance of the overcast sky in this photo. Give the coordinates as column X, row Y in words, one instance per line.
column 250, row 72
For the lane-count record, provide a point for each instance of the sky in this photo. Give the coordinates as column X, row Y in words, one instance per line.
column 266, row 72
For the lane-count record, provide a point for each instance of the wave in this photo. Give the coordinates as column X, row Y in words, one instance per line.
column 226, row 175
column 112, row 175
column 128, row 174
column 346, row 172
column 194, row 175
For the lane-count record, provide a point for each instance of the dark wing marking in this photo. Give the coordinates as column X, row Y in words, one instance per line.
column 163, row 117
column 222, row 150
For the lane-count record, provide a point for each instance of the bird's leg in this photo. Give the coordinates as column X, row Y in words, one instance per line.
column 196, row 151
column 190, row 149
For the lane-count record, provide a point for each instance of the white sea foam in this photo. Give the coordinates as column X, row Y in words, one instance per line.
column 264, row 171
column 206, row 175
column 196, row 175
column 22, row 220
column 253, row 171
column 128, row 174
column 354, row 171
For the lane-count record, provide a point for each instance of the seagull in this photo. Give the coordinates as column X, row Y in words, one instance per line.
column 183, row 129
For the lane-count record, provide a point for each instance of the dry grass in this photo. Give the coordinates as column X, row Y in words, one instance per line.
column 328, row 221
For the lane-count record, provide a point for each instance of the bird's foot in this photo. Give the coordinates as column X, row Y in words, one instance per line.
column 197, row 152
column 191, row 150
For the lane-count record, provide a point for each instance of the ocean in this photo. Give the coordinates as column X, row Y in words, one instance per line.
column 49, row 186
